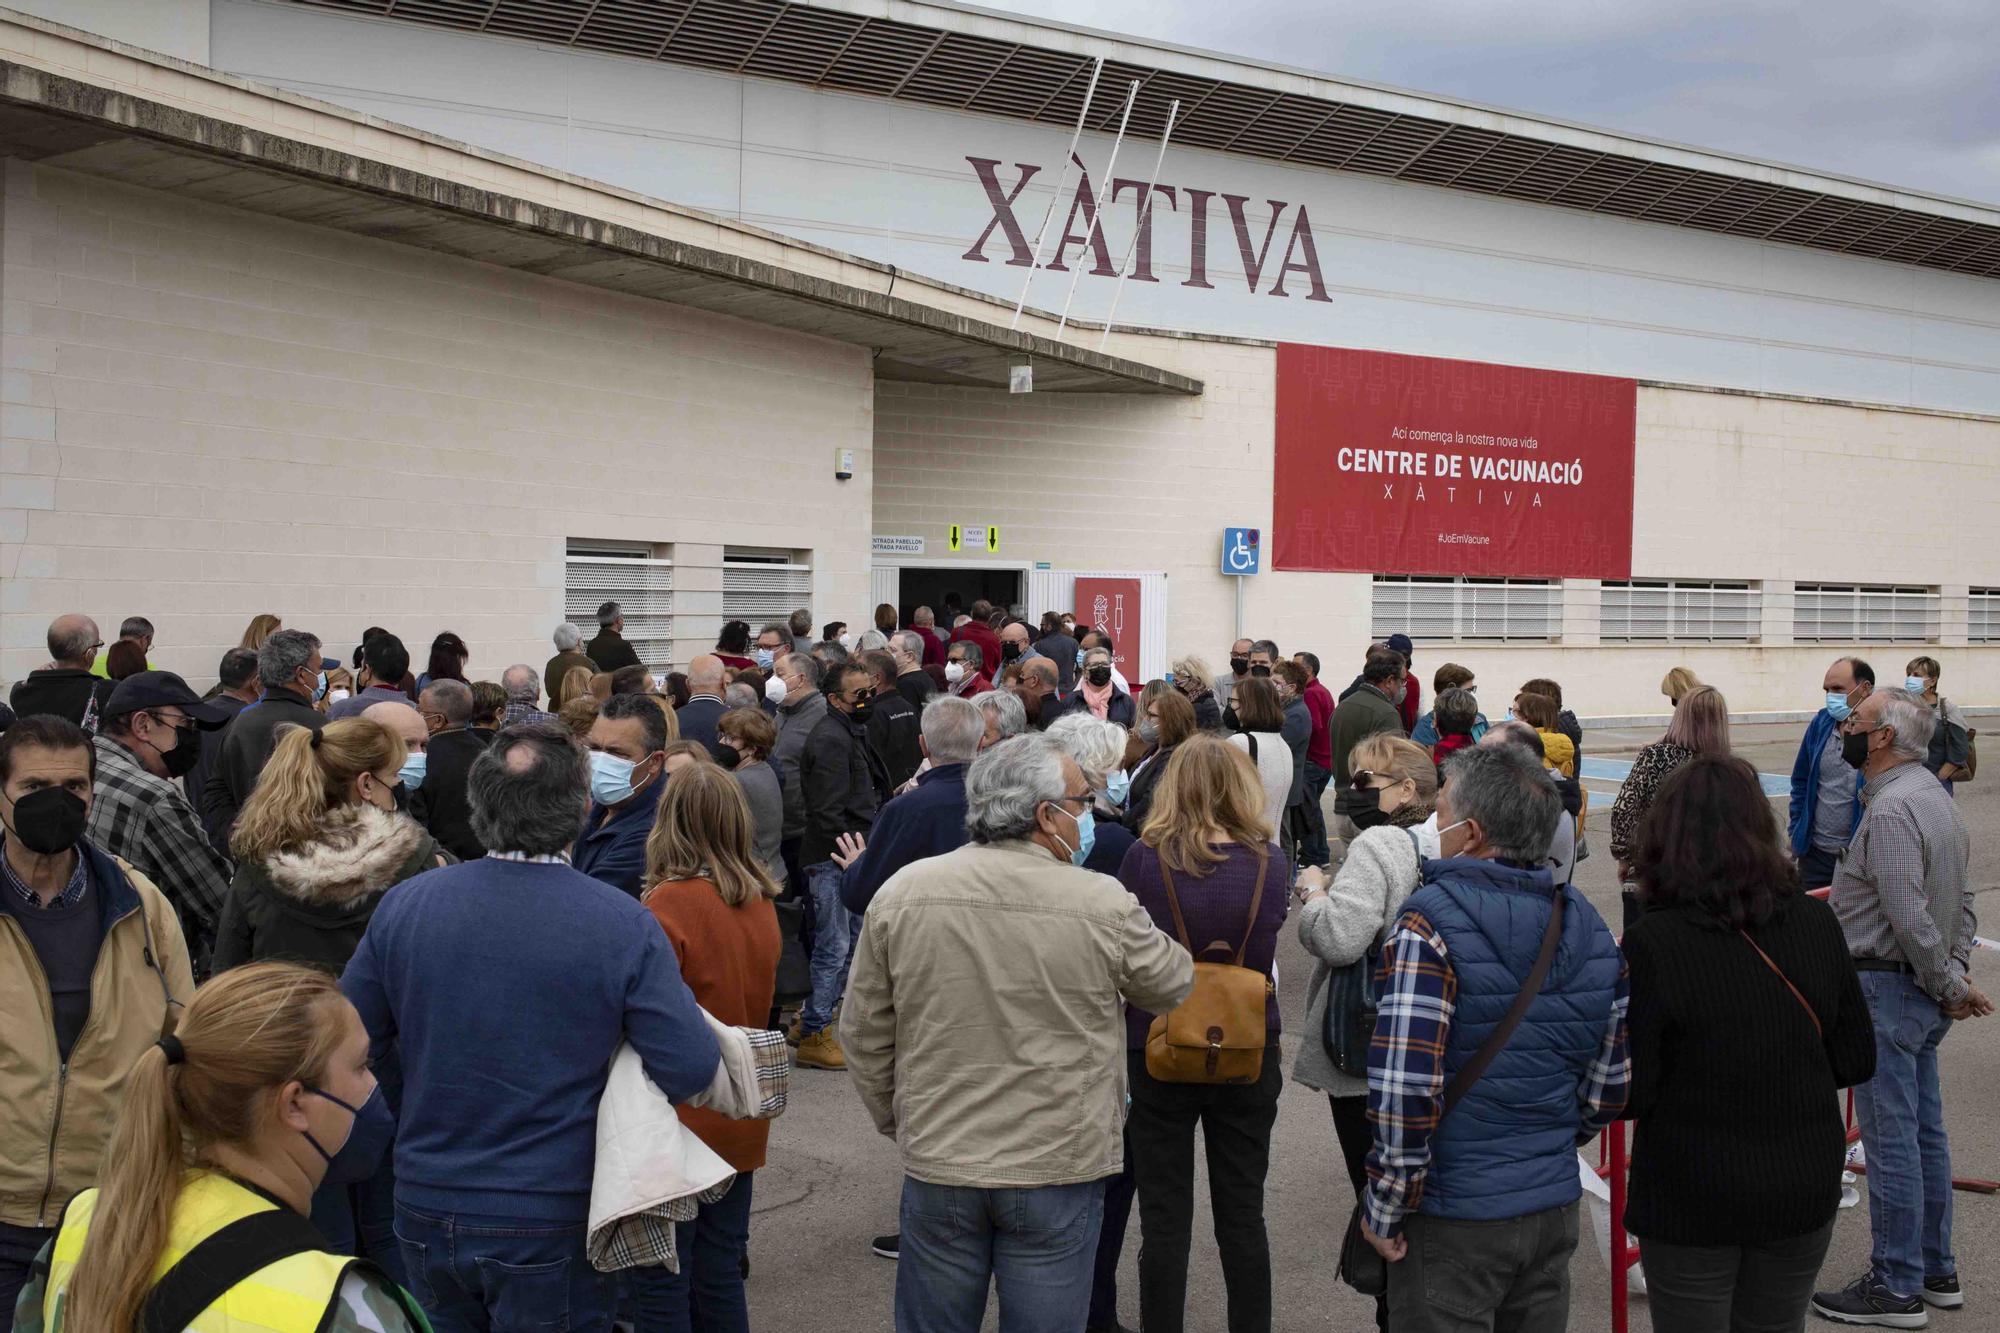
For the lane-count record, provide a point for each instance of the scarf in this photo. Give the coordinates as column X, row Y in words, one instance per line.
column 1098, row 697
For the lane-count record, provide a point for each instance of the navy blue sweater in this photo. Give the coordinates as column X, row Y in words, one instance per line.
column 929, row 821
column 507, row 987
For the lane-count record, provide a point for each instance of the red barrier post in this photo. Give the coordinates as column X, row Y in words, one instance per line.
column 1621, row 1256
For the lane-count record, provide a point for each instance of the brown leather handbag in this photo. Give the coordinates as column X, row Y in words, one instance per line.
column 1217, row 1034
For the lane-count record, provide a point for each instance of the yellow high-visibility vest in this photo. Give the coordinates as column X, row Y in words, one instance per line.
column 289, row 1296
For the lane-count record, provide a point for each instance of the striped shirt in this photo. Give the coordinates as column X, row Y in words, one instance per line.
column 1406, row 1068
column 541, row 859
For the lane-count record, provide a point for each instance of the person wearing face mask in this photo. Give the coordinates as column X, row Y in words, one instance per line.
column 232, row 1124
column 801, row 704
column 773, row 642
column 626, row 746
column 977, row 631
column 749, row 736
column 1059, row 646
column 1095, row 695
column 1472, row 1188
column 93, row 968
column 324, row 836
column 442, row 760
column 1394, row 794
column 1367, row 710
column 841, row 781
column 1260, row 723
column 1206, row 857
column 288, row 668
column 964, row 670
column 1906, row 911
column 149, row 737
column 1239, row 671
column 1066, row 948
column 1951, row 740
column 1826, row 793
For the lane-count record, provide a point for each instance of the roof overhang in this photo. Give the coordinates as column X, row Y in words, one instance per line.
column 113, row 134
column 962, row 58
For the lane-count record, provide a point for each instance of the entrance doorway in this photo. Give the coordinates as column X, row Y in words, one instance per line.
column 928, row 585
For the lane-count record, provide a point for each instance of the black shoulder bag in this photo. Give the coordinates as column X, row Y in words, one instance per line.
column 1362, row 1266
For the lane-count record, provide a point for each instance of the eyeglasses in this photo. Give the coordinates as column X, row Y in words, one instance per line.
column 1363, row 780
column 861, row 696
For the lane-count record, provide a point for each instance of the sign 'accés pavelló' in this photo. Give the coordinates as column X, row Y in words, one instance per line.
column 1391, row 464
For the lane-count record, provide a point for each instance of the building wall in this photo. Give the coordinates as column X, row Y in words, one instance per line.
column 1728, row 487
column 177, row 28
column 1405, row 267
column 206, row 414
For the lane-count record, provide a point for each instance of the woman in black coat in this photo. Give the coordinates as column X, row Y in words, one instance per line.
column 1170, row 719
column 1746, row 1016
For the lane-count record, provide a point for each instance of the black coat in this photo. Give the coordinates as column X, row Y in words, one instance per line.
column 196, row 782
column 247, row 743
column 916, row 686
column 311, row 905
column 697, row 718
column 441, row 804
column 610, row 651
column 895, row 733
column 841, row 780
column 61, row 691
column 1139, row 800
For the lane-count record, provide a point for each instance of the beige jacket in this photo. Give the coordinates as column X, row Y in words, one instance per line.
column 984, row 1023
column 55, row 1120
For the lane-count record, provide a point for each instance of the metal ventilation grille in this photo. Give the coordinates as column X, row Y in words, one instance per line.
column 827, row 49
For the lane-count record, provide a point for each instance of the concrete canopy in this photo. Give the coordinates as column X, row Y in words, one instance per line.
column 114, row 134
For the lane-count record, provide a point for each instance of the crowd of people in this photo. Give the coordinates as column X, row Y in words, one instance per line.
column 319, row 976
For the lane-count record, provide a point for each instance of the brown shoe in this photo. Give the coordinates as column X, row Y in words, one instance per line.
column 821, row 1050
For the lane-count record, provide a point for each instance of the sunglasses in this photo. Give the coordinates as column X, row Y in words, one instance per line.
column 1363, row 780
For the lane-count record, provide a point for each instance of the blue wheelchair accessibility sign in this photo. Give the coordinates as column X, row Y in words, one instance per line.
column 1242, row 550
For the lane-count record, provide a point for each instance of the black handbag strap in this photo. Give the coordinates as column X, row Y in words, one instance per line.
column 1469, row 1073
column 221, row 1261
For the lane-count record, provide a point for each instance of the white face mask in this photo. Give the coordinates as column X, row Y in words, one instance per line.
column 954, row 672
column 1446, row 829
column 847, row 642
column 775, row 691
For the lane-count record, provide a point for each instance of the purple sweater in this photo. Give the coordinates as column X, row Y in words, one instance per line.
column 1216, row 907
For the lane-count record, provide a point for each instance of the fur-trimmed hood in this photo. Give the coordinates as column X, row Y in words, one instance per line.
column 360, row 851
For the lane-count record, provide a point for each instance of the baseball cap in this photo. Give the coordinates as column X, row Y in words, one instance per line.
column 162, row 689
column 1401, row 643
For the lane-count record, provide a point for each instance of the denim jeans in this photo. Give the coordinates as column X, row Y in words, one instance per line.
column 1507, row 1276
column 1816, row 868
column 474, row 1273
column 18, row 1248
column 1317, row 851
column 1733, row 1288
column 1038, row 1246
column 707, row 1294
column 1902, row 1132
column 831, row 931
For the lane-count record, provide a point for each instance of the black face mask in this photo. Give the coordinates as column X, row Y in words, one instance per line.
column 1010, row 651
column 1854, row 749
column 727, row 756
column 1240, row 665
column 1260, row 671
column 180, row 760
column 1100, row 676
column 50, row 820
column 1364, row 807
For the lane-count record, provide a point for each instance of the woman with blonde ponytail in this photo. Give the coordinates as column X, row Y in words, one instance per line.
column 228, row 1127
column 321, row 839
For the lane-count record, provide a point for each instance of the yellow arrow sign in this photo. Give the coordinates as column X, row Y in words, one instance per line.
column 992, row 539
column 957, row 538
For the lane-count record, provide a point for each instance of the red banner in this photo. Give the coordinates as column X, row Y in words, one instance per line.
column 1392, row 464
column 1112, row 605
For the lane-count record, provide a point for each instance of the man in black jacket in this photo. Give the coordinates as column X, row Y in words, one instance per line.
column 895, row 732
column 288, row 668
column 440, row 803
column 65, row 687
column 705, row 707
column 842, row 780
column 609, row 649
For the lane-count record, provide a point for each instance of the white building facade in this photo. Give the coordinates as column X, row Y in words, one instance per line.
column 211, row 411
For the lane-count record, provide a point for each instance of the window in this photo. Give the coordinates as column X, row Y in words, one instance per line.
column 763, row 586
column 1431, row 609
column 637, row 579
column 1677, row 611
column 1982, row 616
column 1850, row 613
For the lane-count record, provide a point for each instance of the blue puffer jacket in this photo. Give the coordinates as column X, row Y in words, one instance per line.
column 1509, row 1148
column 1805, row 784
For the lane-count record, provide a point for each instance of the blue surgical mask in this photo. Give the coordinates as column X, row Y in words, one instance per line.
column 319, row 687
column 1915, row 684
column 1086, row 838
column 610, row 778
column 1836, row 704
column 1117, row 787
column 1508, row 716
column 1079, row 657
column 763, row 657
column 367, row 1142
column 412, row 771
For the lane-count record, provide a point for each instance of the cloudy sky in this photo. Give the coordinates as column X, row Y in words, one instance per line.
column 1903, row 94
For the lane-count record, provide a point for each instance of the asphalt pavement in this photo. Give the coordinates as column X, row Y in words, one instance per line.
column 831, row 1183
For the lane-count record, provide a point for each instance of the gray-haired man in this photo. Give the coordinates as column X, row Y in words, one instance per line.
column 971, row 968
column 569, row 656
column 288, row 667
column 609, row 649
column 1901, row 895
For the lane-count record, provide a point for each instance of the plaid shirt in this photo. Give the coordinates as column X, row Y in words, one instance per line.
column 518, row 713
column 1406, row 1069
column 72, row 892
column 147, row 821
